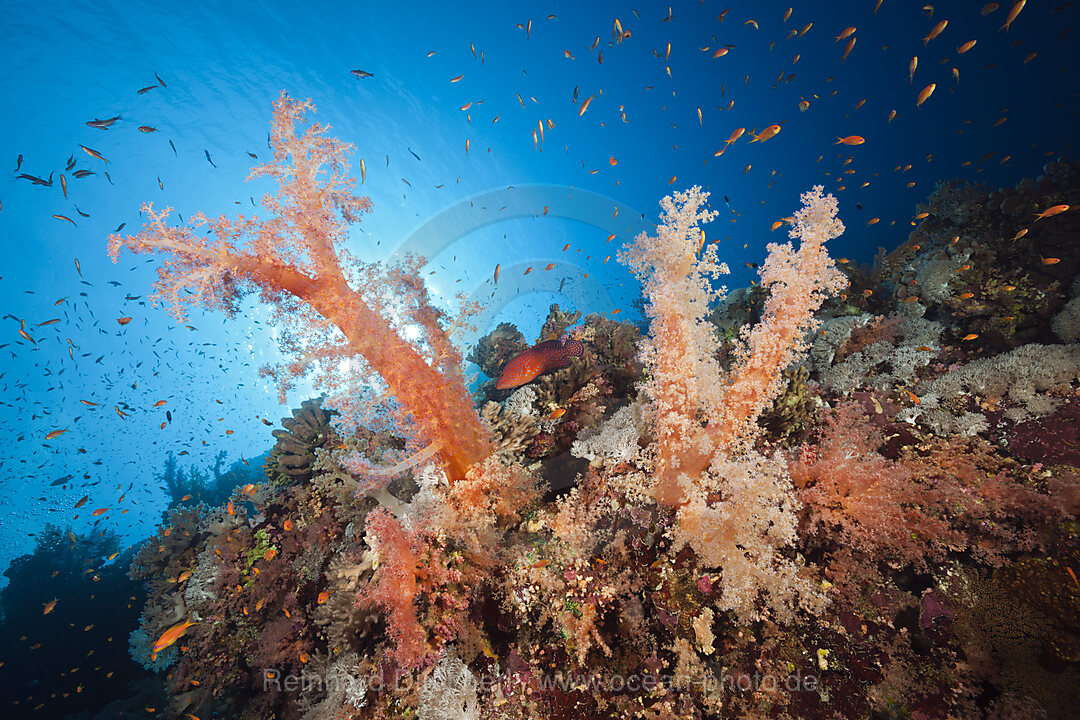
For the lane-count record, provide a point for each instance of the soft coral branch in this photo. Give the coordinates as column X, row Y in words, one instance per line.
column 330, row 305
column 702, row 411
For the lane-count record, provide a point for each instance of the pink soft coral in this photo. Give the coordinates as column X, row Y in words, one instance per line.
column 336, row 312
column 735, row 506
column 686, row 384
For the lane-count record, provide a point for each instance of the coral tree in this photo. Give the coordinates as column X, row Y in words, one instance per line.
column 331, row 306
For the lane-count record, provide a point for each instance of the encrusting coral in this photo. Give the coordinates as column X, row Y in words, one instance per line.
column 744, row 530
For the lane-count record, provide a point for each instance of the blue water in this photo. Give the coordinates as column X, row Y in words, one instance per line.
column 222, row 64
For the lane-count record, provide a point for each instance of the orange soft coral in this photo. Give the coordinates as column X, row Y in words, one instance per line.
column 341, row 317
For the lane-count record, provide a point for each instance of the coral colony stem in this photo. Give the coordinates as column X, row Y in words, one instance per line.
column 319, row 292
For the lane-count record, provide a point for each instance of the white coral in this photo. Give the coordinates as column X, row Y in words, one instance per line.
column 449, row 692
column 616, row 439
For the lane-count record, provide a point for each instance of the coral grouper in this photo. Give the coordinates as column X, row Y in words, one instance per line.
column 537, row 360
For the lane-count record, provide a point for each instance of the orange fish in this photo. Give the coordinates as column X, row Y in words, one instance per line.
column 50, row 606
column 1050, row 261
column 1051, row 212
column 848, row 48
column 287, row 525
column 159, row 403
column 1016, row 8
column 81, row 502
column 170, row 636
column 925, row 94
column 965, row 47
column 100, row 511
column 969, row 336
column 269, row 554
column 767, row 133
column 843, row 34
column 966, row 296
column 850, row 140
column 323, row 597
column 912, row 395
column 935, row 31
column 55, row 434
column 557, row 413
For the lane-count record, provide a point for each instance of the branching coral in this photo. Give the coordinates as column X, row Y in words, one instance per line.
column 331, row 307
column 734, row 505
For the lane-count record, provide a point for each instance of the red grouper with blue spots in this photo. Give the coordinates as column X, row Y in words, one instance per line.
column 537, row 360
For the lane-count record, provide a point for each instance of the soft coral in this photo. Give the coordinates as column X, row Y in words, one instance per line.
column 331, row 306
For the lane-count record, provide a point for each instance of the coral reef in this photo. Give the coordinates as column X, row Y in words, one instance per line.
column 819, row 503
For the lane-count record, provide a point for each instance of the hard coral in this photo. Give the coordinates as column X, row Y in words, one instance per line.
column 293, row 455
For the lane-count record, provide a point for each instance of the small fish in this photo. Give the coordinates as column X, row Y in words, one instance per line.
column 843, row 34
column 969, row 336
column 848, row 48
column 93, row 153
column 935, row 32
column 207, row 153
column 102, row 124
column 498, row 267
column 100, row 511
column 966, row 296
column 965, row 47
column 147, row 129
column 989, row 8
column 850, row 140
column 55, row 434
column 457, row 79
column 363, row 171
column 361, row 74
column 925, row 94
column 914, row 398
column 1050, row 261
column 82, row 501
column 556, row 413
column 50, row 606
column 911, row 69
column 585, row 105
column 148, row 88
column 170, row 636
column 323, row 597
column 1016, row 8
column 767, row 133
column 1051, row 212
